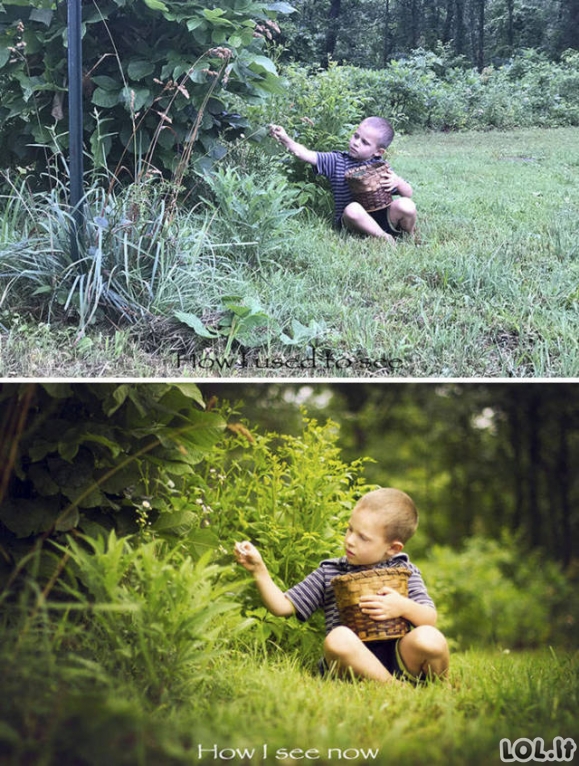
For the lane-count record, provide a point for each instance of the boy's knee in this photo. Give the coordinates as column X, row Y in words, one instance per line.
column 340, row 641
column 429, row 640
column 353, row 213
column 405, row 206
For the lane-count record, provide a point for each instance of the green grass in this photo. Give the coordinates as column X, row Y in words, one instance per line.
column 490, row 292
column 247, row 703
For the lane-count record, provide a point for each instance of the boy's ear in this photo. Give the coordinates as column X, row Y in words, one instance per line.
column 379, row 152
column 396, row 547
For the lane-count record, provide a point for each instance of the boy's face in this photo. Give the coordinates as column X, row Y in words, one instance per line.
column 364, row 143
column 365, row 540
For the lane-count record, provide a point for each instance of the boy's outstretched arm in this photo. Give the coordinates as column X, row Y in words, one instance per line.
column 272, row 596
column 299, row 150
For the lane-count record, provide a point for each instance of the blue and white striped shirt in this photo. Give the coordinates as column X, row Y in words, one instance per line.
column 317, row 592
column 334, row 165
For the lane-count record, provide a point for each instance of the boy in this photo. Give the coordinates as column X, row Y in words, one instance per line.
column 381, row 522
column 367, row 145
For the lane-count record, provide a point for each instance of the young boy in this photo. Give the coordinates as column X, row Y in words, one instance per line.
column 367, row 144
column 381, row 522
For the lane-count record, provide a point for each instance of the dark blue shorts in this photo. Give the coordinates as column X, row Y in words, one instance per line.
column 382, row 218
column 388, row 654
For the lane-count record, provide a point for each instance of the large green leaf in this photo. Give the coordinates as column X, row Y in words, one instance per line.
column 105, row 98
column 29, row 517
column 138, row 69
column 156, row 5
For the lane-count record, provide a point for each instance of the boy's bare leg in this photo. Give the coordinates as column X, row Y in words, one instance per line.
column 402, row 213
column 344, row 647
column 424, row 650
column 356, row 218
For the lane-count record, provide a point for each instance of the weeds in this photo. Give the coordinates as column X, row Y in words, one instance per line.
column 491, row 291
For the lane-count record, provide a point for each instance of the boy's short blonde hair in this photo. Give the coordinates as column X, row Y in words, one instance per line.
column 384, row 128
column 397, row 510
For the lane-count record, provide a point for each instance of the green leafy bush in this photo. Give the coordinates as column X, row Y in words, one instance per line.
column 292, row 497
column 95, row 457
column 161, row 74
column 155, row 615
column 250, row 213
column 426, row 89
column 491, row 592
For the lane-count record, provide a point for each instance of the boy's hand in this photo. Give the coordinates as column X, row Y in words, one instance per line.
column 279, row 133
column 392, row 181
column 248, row 556
column 385, row 605
column 299, row 150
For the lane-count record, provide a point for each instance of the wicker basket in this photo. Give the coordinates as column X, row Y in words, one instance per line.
column 366, row 185
column 348, row 589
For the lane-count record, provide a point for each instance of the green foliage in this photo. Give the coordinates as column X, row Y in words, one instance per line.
column 319, row 110
column 160, row 74
column 292, row 497
column 496, row 593
column 139, row 247
column 97, row 456
column 242, row 320
column 251, row 213
column 431, row 90
column 129, row 268
column 155, row 616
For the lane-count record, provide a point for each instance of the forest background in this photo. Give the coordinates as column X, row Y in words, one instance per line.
column 129, row 636
column 203, row 239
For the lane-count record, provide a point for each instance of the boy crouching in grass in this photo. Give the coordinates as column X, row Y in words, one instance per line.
column 367, row 145
column 381, row 523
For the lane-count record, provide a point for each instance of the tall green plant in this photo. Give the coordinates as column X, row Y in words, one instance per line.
column 155, row 615
column 291, row 496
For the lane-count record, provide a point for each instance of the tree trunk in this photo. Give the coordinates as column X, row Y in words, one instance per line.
column 333, row 29
column 480, row 58
column 387, row 47
column 459, row 34
column 564, row 483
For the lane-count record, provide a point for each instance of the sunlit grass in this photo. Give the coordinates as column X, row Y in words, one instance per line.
column 257, row 710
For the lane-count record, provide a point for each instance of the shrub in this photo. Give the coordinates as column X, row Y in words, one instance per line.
column 250, row 213
column 494, row 593
column 95, row 457
column 162, row 72
column 155, row 616
column 291, row 496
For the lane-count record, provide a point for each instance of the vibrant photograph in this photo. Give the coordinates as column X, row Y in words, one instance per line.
column 308, row 189
column 262, row 573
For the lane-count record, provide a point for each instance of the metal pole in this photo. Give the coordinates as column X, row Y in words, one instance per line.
column 75, row 128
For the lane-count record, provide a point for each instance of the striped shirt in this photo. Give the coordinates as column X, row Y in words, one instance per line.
column 334, row 165
column 316, row 591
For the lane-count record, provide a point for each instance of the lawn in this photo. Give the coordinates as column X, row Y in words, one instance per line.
column 252, row 710
column 491, row 290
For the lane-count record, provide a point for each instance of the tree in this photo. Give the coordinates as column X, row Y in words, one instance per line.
column 333, row 28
